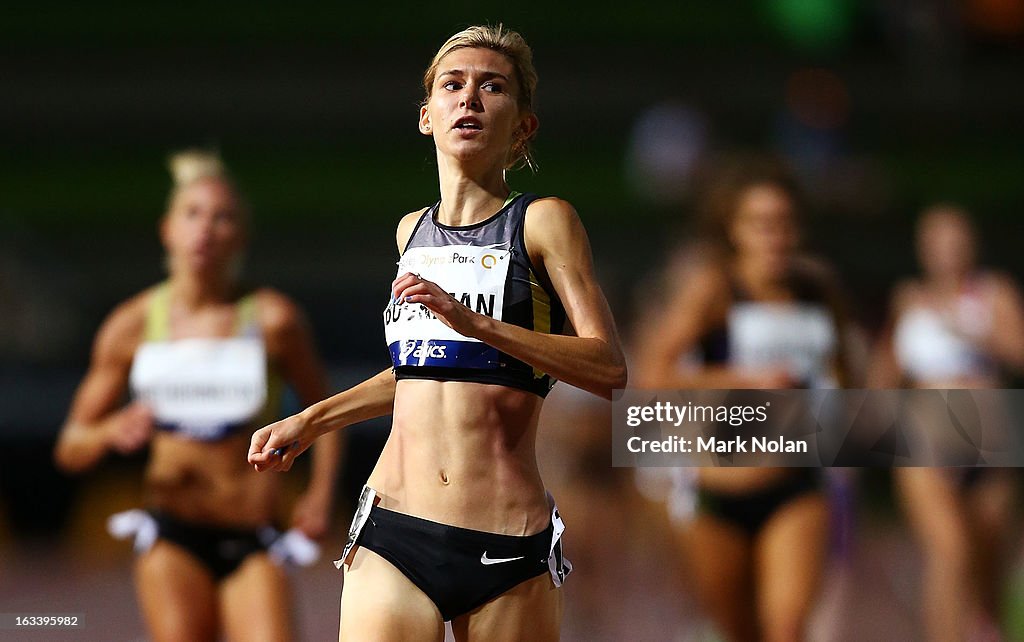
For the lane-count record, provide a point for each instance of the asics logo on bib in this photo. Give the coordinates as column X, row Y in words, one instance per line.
column 487, row 561
column 422, row 350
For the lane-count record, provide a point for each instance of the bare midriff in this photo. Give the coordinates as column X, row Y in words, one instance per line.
column 463, row 454
column 208, row 482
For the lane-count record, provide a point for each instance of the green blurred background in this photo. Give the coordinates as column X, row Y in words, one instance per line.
column 883, row 107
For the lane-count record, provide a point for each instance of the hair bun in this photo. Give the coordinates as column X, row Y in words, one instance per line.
column 190, row 165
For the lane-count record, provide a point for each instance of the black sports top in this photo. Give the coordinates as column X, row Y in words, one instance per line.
column 486, row 267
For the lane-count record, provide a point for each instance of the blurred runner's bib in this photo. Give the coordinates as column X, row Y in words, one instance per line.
column 201, row 388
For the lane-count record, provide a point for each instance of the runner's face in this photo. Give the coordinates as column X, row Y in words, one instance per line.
column 945, row 245
column 473, row 112
column 204, row 229
column 764, row 227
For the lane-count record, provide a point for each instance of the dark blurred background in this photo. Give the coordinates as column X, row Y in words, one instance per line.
column 881, row 106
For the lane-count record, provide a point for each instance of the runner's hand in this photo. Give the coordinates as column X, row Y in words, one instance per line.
column 276, row 446
column 130, row 428
column 311, row 514
column 411, row 288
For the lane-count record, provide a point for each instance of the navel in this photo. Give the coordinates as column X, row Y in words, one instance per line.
column 444, row 477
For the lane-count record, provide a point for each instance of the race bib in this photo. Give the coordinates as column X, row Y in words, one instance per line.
column 200, row 386
column 474, row 276
column 799, row 337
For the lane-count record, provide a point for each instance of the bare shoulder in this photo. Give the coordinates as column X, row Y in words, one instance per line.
column 697, row 296
column 123, row 329
column 816, row 268
column 551, row 211
column 551, row 224
column 999, row 284
column 821, row 276
column 906, row 293
column 277, row 313
column 705, row 281
column 406, row 226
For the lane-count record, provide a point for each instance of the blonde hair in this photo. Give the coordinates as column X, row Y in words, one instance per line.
column 189, row 166
column 511, row 45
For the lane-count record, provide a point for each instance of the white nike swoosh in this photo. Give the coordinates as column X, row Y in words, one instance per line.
column 487, row 561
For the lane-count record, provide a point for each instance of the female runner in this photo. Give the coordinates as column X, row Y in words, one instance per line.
column 495, row 299
column 956, row 326
column 751, row 313
column 205, row 358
